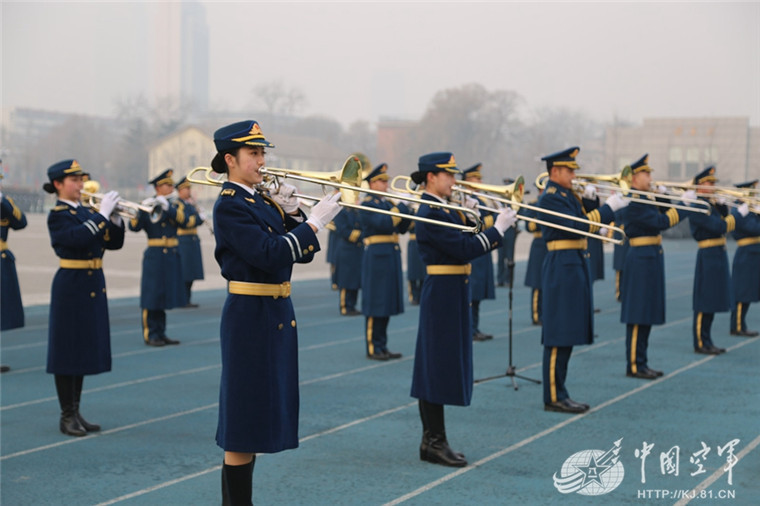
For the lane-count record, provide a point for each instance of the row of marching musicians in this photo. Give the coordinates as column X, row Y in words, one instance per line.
column 260, row 236
column 564, row 271
column 83, row 224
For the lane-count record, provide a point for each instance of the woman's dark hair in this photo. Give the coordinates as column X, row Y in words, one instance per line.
column 49, row 187
column 218, row 164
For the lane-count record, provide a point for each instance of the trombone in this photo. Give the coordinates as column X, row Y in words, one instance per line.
column 512, row 195
column 348, row 179
column 622, row 182
column 126, row 208
column 736, row 193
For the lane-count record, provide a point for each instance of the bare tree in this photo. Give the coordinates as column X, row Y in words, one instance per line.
column 476, row 124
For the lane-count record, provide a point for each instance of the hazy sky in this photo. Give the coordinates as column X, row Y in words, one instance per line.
column 361, row 60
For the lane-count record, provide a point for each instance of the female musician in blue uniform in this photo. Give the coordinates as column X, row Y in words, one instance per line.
column 79, row 339
column 258, row 239
column 535, row 261
column 348, row 259
column 382, row 276
column 745, row 271
column 568, row 304
column 481, row 277
column 643, row 293
column 443, row 357
column 190, row 255
column 712, row 279
column 162, row 286
column 11, row 308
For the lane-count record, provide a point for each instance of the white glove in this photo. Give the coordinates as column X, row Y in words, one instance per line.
column 603, row 231
column 721, row 200
column 284, row 189
column 108, row 203
column 324, row 211
column 617, row 201
column 470, row 202
column 589, row 192
column 505, row 219
column 284, row 197
column 163, row 201
column 688, row 197
column 662, row 189
column 743, row 210
column 202, row 215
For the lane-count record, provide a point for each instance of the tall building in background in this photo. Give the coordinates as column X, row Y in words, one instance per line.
column 181, row 52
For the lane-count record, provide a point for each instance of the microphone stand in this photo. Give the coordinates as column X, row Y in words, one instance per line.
column 511, row 371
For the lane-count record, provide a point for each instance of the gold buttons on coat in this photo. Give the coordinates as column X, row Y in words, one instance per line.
column 92, row 295
column 280, row 326
column 292, row 323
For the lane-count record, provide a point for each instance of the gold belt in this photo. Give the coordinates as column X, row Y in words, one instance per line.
column 647, row 240
column 747, row 241
column 3, row 245
column 537, row 235
column 95, row 263
column 378, row 239
column 262, row 289
column 711, row 243
column 566, row 244
column 164, row 242
column 412, row 237
column 438, row 270
column 187, row 231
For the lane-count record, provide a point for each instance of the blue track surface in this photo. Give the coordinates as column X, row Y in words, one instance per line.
column 359, row 428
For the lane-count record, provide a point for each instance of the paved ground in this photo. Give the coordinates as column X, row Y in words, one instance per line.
column 359, row 428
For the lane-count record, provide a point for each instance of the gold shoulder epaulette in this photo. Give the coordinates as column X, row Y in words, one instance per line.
column 551, row 189
column 367, row 198
column 62, row 207
column 226, row 192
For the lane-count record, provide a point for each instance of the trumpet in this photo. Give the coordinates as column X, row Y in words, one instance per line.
column 348, row 179
column 126, row 208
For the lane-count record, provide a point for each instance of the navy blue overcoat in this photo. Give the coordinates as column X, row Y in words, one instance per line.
column 443, row 356
column 11, row 307
column 258, row 399
column 79, row 334
column 567, row 305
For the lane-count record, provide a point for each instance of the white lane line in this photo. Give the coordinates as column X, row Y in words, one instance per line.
column 520, row 444
column 118, row 385
column 694, row 493
column 92, row 436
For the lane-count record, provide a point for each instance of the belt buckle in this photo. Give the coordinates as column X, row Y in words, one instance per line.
column 284, row 289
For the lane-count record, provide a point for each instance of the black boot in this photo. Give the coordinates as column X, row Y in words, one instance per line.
column 69, row 424
column 434, row 447
column 439, row 452
column 237, row 484
column 89, row 427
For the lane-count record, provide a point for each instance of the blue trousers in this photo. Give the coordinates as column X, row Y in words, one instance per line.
column 701, row 329
column 739, row 317
column 556, row 359
column 348, row 300
column 636, row 343
column 377, row 334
